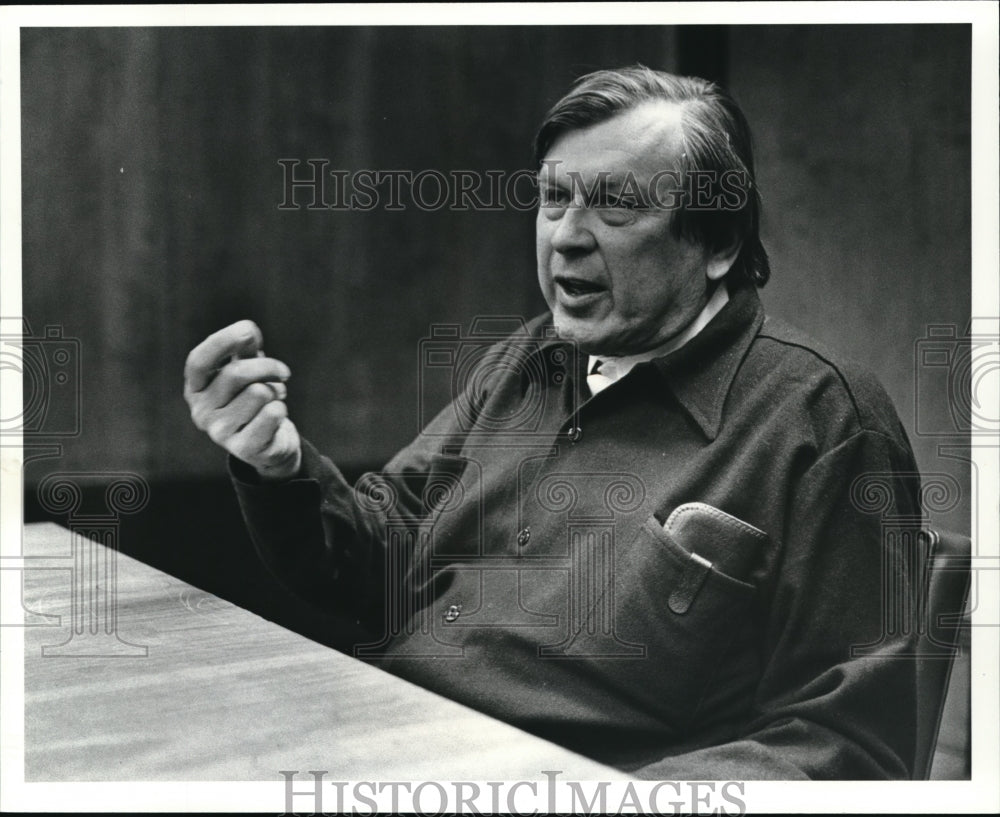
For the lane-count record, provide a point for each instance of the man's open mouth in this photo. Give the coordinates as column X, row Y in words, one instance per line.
column 578, row 287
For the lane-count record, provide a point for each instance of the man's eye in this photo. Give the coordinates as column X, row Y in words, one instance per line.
column 618, row 211
column 622, row 203
column 554, row 198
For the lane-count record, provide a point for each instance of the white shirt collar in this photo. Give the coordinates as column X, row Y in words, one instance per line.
column 615, row 368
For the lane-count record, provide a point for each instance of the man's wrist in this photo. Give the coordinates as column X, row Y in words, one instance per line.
column 283, row 471
column 248, row 474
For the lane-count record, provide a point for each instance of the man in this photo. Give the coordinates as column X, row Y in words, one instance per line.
column 637, row 530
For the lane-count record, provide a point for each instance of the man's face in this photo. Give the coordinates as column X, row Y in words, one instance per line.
column 616, row 280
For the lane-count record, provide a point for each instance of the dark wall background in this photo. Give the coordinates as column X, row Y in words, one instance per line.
column 151, row 193
column 863, row 136
column 151, row 187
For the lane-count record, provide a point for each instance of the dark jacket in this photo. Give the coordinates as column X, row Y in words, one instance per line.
column 515, row 560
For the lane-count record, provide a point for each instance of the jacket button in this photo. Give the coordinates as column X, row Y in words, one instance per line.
column 453, row 612
column 575, row 433
column 524, row 536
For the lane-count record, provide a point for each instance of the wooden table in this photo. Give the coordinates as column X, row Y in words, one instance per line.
column 189, row 687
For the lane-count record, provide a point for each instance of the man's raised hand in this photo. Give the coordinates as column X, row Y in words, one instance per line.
column 236, row 396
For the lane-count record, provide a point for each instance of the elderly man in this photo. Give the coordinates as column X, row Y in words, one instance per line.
column 635, row 530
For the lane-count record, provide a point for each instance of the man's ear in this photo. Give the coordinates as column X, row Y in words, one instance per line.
column 720, row 262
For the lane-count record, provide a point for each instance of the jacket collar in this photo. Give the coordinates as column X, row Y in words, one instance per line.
column 700, row 373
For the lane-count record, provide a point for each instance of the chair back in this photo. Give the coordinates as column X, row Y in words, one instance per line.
column 945, row 590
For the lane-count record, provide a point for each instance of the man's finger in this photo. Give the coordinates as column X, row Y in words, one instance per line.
column 283, row 455
column 221, row 424
column 278, row 389
column 257, row 435
column 241, row 339
column 236, row 376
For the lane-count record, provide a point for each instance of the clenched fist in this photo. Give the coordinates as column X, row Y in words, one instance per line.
column 237, row 395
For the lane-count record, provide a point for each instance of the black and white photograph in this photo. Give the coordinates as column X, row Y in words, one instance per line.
column 521, row 409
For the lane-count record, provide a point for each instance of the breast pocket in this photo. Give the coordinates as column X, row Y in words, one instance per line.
column 687, row 614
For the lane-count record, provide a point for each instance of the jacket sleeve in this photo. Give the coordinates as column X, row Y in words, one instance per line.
column 837, row 692
column 324, row 539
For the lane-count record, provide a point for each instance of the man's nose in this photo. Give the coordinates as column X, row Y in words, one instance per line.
column 572, row 234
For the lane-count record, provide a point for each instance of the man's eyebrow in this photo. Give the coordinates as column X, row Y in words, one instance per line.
column 602, row 183
column 605, row 181
column 629, row 180
column 615, row 182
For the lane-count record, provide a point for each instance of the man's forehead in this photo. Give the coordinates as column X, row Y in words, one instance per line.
column 641, row 140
